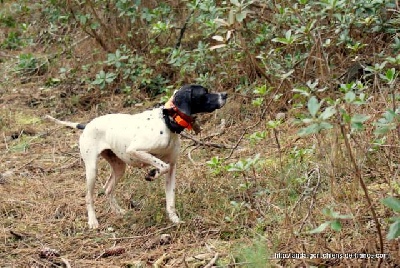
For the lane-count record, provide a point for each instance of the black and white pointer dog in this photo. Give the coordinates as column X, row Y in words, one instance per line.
column 148, row 138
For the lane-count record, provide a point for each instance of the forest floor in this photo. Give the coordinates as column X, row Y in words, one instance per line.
column 231, row 218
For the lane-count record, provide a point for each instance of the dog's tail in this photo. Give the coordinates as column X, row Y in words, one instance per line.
column 66, row 123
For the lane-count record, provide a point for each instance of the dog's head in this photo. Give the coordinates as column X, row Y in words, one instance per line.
column 194, row 99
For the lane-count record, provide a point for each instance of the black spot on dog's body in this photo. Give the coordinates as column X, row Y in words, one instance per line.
column 161, row 132
column 80, row 126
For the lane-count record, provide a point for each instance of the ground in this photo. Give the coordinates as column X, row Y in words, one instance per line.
column 249, row 188
column 43, row 207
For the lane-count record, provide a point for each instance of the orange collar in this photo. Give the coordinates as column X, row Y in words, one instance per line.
column 180, row 118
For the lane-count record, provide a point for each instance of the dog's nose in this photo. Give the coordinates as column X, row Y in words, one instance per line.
column 224, row 95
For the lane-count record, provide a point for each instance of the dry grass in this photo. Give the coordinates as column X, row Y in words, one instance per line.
column 235, row 219
column 42, row 208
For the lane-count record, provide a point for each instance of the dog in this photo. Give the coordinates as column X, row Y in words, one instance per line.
column 150, row 138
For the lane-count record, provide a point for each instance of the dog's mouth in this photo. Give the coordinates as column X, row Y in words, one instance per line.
column 222, row 99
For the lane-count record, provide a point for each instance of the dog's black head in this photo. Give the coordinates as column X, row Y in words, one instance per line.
column 194, row 99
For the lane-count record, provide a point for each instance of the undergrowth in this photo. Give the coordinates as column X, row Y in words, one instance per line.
column 307, row 155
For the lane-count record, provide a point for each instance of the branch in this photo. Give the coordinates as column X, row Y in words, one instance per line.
column 146, row 235
column 203, row 143
column 213, row 261
column 364, row 187
column 183, row 29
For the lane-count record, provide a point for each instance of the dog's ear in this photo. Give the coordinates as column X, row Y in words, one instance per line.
column 183, row 99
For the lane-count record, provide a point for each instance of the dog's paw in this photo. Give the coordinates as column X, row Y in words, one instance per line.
column 93, row 224
column 175, row 219
column 153, row 174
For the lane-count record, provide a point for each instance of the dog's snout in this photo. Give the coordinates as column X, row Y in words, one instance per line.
column 222, row 99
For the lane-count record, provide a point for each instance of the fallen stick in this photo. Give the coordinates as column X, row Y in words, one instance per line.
column 213, row 261
column 158, row 263
column 203, row 143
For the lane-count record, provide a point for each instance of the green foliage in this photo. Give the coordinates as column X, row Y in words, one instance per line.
column 215, row 164
column 129, row 70
column 388, row 122
column 261, row 92
column 317, row 123
column 12, row 41
column 291, row 52
column 394, row 229
column 243, row 165
column 103, row 78
column 28, row 64
column 254, row 255
column 335, row 222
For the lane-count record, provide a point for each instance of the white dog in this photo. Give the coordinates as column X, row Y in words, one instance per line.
column 148, row 138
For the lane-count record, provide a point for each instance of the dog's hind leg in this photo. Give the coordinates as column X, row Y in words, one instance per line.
column 117, row 171
column 91, row 173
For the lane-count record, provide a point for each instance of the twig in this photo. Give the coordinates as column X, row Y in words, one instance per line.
column 184, row 261
column 183, row 29
column 237, row 144
column 158, row 263
column 364, row 187
column 190, row 156
column 69, row 165
column 5, row 141
column 213, row 261
column 255, row 124
column 146, row 235
column 66, row 262
column 314, row 194
column 27, row 163
column 203, row 143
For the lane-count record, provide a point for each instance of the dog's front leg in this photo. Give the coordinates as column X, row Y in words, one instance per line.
column 170, row 194
column 149, row 159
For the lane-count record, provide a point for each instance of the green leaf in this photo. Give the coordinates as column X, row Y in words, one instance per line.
column 357, row 126
column 394, row 230
column 336, row 225
column 307, row 120
column 327, row 113
column 390, row 74
column 313, row 106
column 324, row 125
column 110, row 77
column 350, row 97
column 382, row 130
column 83, row 19
column 345, row 217
column 311, row 129
column 281, row 40
column 389, row 115
column 303, row 91
column 288, row 35
column 328, row 212
column 392, row 203
column 359, row 118
column 320, row 228
column 241, row 16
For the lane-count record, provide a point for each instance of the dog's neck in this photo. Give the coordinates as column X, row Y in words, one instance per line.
column 176, row 120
